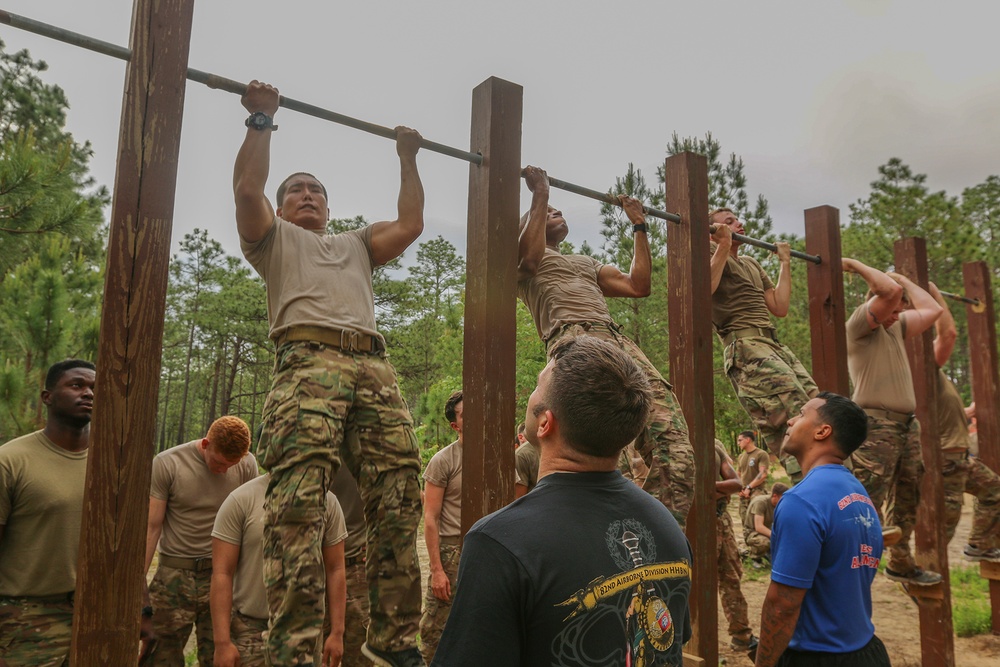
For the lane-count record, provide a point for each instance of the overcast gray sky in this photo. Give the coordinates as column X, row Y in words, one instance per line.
column 814, row 96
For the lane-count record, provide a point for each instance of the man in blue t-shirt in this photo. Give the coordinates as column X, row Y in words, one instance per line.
column 826, row 544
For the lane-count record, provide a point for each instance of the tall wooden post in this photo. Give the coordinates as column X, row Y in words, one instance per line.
column 986, row 393
column 490, row 300
column 113, row 538
column 827, row 316
column 689, row 299
column 937, row 643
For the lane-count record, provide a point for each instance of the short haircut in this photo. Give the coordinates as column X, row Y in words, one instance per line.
column 451, row 404
column 847, row 420
column 715, row 211
column 520, row 428
column 284, row 186
column 230, row 436
column 598, row 394
column 58, row 369
column 779, row 489
column 749, row 434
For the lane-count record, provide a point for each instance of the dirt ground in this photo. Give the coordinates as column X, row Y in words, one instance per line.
column 896, row 617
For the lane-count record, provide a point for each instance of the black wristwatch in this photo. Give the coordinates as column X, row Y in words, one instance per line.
column 641, row 227
column 259, row 120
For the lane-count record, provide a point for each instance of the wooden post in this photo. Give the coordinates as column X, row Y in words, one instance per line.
column 122, row 438
column 985, row 390
column 689, row 300
column 827, row 317
column 490, row 300
column 937, row 643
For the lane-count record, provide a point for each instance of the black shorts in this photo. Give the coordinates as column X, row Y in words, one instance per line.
column 872, row 654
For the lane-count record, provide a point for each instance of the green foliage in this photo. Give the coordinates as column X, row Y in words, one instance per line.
column 970, row 602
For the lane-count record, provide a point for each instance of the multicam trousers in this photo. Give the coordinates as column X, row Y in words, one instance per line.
column 734, row 605
column 772, row 385
column 180, row 600
column 36, row 631
column 664, row 444
column 962, row 474
column 247, row 634
column 356, row 617
column 436, row 611
column 889, row 465
column 759, row 545
column 322, row 398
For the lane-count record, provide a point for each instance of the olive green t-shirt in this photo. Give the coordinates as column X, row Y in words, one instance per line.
column 759, row 506
column 878, row 365
column 738, row 301
column 564, row 290
column 749, row 465
column 445, row 470
column 952, row 424
column 241, row 521
column 193, row 494
column 314, row 278
column 526, row 460
column 41, row 509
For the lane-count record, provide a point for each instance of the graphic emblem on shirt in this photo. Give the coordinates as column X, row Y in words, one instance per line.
column 649, row 627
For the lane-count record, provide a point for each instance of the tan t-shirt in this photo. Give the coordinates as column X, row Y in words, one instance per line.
column 877, row 362
column 759, row 506
column 952, row 424
column 738, row 302
column 445, row 470
column 314, row 278
column 563, row 290
column 526, row 458
column 345, row 487
column 193, row 494
column 749, row 465
column 41, row 508
column 241, row 521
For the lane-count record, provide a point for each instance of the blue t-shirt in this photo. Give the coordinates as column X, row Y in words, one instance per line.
column 827, row 538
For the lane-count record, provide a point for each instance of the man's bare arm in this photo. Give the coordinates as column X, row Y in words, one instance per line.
column 520, row 490
column 758, row 525
column 888, row 292
column 730, row 482
column 390, row 238
column 723, row 236
column 780, row 297
column 531, row 238
column 254, row 214
column 637, row 282
column 925, row 310
column 780, row 614
column 945, row 332
column 225, row 557
column 336, row 603
column 433, row 501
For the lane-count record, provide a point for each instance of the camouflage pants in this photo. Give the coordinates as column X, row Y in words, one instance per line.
column 247, row 634
column 889, row 465
column 734, row 605
column 772, row 385
column 664, row 444
column 35, row 632
column 356, row 618
column 320, row 399
column 436, row 611
column 759, row 545
column 970, row 475
column 180, row 603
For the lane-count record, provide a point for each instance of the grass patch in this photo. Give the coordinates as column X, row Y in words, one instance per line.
column 751, row 573
column 970, row 602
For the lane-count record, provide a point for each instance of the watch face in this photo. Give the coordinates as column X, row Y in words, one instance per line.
column 259, row 120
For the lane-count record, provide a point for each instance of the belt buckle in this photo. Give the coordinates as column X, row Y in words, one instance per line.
column 349, row 340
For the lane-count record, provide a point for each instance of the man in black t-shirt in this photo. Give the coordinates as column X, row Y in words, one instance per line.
column 587, row 569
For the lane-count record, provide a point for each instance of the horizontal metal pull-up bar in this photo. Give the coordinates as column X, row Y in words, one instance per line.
column 238, row 88
column 977, row 305
column 815, row 259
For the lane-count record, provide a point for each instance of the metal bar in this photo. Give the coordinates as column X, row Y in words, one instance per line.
column 815, row 259
column 222, row 83
column 959, row 297
column 609, row 199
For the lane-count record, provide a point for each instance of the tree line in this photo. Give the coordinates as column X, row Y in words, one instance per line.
column 217, row 358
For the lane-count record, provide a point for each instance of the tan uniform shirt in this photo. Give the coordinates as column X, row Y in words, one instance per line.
column 759, row 506
column 738, row 302
column 749, row 465
column 445, row 470
column 526, row 459
column 314, row 278
column 952, row 424
column 241, row 521
column 193, row 494
column 877, row 362
column 41, row 509
column 564, row 290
